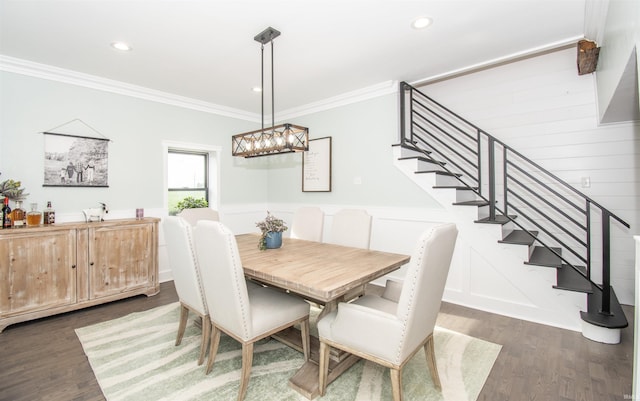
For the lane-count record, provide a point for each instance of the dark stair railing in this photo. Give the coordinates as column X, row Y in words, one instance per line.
column 506, row 181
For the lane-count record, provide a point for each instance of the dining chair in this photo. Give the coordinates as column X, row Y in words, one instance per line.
column 351, row 227
column 308, row 223
column 391, row 328
column 199, row 213
column 186, row 278
column 245, row 313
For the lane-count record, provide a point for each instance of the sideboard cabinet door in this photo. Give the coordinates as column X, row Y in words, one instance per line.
column 121, row 259
column 37, row 271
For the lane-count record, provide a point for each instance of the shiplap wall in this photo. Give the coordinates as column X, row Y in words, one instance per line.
column 546, row 111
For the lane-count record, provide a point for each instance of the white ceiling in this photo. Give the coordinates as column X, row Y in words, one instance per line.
column 205, row 50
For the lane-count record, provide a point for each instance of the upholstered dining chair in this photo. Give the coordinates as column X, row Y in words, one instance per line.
column 186, row 277
column 308, row 223
column 351, row 227
column 390, row 329
column 199, row 213
column 245, row 313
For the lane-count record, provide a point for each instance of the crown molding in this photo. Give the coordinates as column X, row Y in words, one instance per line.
column 44, row 71
column 369, row 92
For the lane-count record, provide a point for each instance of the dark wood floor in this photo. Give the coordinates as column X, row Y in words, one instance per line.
column 43, row 359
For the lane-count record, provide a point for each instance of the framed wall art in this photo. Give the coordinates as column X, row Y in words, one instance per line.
column 75, row 161
column 316, row 166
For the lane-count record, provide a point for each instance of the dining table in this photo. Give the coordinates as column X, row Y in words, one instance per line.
column 322, row 273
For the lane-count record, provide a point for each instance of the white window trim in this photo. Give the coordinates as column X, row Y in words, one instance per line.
column 215, row 153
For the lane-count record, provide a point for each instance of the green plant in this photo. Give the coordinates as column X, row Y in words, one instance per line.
column 191, row 203
column 271, row 224
column 11, row 189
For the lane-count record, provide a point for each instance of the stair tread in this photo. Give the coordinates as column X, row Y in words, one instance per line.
column 542, row 256
column 520, row 237
column 439, row 172
column 500, row 219
column 569, row 279
column 421, row 158
column 459, row 187
column 412, row 148
column 617, row 319
column 479, row 202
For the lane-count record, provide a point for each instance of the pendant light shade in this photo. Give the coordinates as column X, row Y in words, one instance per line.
column 273, row 140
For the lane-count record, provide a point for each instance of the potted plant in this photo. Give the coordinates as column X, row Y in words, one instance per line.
column 272, row 229
column 11, row 189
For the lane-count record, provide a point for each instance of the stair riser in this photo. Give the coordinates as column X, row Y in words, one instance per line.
column 446, row 180
column 404, row 152
column 429, row 166
column 463, row 195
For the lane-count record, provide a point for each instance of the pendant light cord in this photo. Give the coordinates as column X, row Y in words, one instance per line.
column 262, row 84
column 273, row 105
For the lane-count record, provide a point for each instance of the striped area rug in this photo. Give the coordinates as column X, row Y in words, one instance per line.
column 134, row 358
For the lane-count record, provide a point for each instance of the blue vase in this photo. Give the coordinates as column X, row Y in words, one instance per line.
column 274, row 240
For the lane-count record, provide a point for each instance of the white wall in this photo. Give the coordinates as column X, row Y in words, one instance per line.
column 136, row 128
column 621, row 36
column 362, row 165
column 543, row 109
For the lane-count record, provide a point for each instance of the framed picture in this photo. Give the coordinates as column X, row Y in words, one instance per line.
column 316, row 166
column 75, row 161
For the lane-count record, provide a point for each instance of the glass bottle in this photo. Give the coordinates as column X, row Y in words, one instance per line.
column 19, row 216
column 34, row 217
column 49, row 214
column 6, row 214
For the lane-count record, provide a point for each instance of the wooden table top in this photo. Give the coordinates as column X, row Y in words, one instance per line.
column 318, row 271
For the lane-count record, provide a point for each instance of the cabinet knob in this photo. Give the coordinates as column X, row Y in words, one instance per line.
column 73, row 266
column 91, row 264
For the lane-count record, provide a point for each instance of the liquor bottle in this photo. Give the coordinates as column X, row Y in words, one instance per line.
column 49, row 214
column 6, row 214
column 19, row 216
column 34, row 217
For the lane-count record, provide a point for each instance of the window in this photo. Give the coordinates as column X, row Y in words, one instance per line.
column 187, row 176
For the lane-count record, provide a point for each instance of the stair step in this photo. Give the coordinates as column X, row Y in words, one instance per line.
column 616, row 320
column 439, row 172
column 458, row 187
column 500, row 219
column 542, row 256
column 479, row 202
column 420, row 158
column 413, row 148
column 520, row 237
column 569, row 279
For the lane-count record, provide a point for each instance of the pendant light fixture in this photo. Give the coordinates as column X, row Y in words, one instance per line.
column 273, row 140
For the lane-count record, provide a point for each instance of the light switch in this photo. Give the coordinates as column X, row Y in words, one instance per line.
column 585, row 182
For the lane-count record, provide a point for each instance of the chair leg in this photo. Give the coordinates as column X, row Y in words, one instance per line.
column 323, row 369
column 215, row 341
column 430, row 352
column 206, row 337
column 247, row 361
column 396, row 384
column 184, row 315
column 305, row 338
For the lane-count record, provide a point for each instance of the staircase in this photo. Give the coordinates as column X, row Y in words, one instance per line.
column 559, row 227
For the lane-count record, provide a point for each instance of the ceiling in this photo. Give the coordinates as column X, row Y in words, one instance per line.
column 204, row 50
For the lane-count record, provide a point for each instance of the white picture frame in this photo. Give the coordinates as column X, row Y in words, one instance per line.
column 316, row 166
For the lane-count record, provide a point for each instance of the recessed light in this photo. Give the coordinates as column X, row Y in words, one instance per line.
column 421, row 22
column 122, row 46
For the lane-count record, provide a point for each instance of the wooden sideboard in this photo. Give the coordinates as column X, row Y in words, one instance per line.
column 53, row 269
